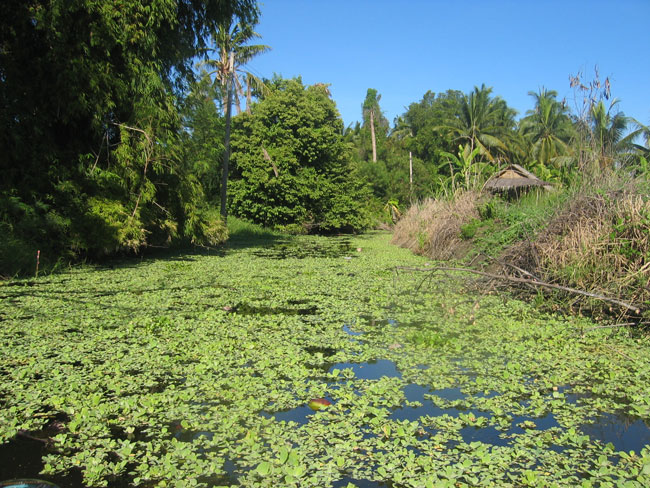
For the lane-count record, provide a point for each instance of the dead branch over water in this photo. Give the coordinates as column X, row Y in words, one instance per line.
column 528, row 282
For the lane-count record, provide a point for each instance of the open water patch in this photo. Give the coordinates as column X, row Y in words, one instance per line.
column 22, row 459
column 371, row 370
column 626, row 433
column 350, row 332
column 300, row 415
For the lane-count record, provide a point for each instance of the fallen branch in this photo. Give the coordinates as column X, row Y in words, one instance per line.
column 534, row 282
column 619, row 352
column 612, row 326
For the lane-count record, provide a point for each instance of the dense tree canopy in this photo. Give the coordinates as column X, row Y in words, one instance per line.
column 109, row 142
column 483, row 121
column 290, row 164
column 90, row 122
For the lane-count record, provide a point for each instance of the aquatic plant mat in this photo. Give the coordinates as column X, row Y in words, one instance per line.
column 198, row 370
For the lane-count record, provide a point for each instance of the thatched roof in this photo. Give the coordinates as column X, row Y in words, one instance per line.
column 514, row 177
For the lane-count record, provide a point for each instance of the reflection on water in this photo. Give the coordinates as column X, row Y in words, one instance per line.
column 303, row 248
column 347, row 330
column 625, row 432
column 300, row 415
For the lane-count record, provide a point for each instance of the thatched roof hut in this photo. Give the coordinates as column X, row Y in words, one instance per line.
column 514, row 179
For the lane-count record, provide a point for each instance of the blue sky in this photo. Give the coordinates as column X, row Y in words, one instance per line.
column 405, row 48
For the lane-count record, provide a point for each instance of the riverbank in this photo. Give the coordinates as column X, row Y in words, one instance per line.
column 197, row 369
column 593, row 238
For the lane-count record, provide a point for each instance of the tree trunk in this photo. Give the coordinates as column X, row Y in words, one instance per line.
column 226, row 155
column 237, row 90
column 372, row 135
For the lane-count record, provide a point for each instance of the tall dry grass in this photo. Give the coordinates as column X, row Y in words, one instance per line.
column 599, row 242
column 433, row 227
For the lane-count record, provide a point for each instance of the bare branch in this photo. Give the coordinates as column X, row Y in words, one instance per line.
column 534, row 282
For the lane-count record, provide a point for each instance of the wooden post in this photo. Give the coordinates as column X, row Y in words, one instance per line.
column 411, row 172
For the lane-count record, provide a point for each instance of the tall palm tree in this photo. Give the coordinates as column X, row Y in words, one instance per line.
column 641, row 131
column 372, row 113
column 607, row 130
column 547, row 127
column 231, row 39
column 483, row 122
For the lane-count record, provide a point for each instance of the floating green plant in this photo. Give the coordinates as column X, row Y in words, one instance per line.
column 198, row 370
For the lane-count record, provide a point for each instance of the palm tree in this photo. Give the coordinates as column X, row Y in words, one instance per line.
column 483, row 122
column 547, row 127
column 641, row 131
column 230, row 43
column 607, row 127
column 372, row 113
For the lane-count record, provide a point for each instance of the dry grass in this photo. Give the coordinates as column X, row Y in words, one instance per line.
column 599, row 242
column 432, row 227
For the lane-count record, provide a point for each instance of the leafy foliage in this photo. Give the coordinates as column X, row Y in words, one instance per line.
column 231, row 39
column 547, row 128
column 483, row 122
column 197, row 369
column 90, row 121
column 290, row 165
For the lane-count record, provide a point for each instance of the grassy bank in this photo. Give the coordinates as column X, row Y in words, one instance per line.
column 593, row 237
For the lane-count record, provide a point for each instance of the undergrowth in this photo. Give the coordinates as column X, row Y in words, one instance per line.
column 594, row 236
column 433, row 227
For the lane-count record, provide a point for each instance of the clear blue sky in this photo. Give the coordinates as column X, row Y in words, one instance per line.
column 404, row 48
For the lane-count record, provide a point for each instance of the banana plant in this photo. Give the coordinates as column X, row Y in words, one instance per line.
column 470, row 171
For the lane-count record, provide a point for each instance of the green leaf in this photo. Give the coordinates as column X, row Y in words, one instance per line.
column 263, row 468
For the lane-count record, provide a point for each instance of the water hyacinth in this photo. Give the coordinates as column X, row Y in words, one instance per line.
column 204, row 368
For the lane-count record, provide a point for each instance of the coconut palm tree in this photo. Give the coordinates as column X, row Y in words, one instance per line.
column 642, row 131
column 483, row 122
column 403, row 132
column 547, row 128
column 607, row 129
column 230, row 43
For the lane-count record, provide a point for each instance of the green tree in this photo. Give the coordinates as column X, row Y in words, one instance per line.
column 471, row 172
column 203, row 135
column 90, row 124
column 483, row 121
column 425, row 119
column 402, row 134
column 291, row 167
column 547, row 128
column 608, row 126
